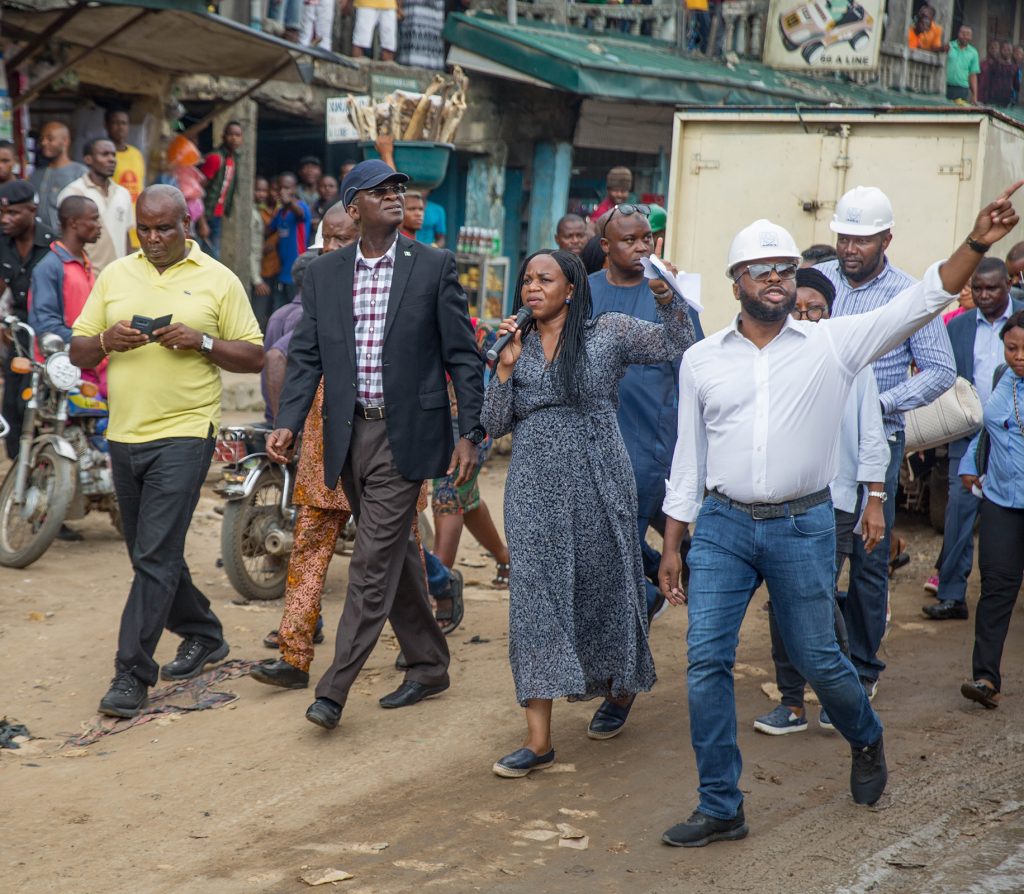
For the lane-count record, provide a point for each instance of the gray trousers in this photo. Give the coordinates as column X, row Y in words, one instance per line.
column 386, row 579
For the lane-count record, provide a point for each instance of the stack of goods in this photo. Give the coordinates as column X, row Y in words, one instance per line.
column 431, row 116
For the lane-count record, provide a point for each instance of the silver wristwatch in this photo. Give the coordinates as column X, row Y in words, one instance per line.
column 207, row 344
column 880, row 494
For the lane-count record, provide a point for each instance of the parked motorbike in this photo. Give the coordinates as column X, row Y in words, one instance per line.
column 63, row 467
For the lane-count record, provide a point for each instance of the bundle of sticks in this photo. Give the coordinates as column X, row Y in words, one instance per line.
column 433, row 115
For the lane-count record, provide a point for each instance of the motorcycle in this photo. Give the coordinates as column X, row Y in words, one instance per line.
column 63, row 468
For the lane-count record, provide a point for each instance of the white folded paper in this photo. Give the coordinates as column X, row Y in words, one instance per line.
column 685, row 285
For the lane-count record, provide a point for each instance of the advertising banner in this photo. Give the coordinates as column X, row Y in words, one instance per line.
column 824, row 35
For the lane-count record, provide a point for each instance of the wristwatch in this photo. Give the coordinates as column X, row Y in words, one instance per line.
column 878, row 494
column 475, row 436
column 207, row 344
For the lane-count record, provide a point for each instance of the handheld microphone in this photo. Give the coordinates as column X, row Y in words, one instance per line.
column 495, row 351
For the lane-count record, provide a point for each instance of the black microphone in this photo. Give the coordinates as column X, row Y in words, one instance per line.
column 495, row 351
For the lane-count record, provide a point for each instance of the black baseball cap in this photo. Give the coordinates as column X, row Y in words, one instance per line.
column 366, row 175
column 17, row 192
column 310, row 160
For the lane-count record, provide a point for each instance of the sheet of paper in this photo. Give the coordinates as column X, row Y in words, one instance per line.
column 685, row 285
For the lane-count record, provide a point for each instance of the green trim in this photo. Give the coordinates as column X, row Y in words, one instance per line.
column 176, row 5
column 641, row 68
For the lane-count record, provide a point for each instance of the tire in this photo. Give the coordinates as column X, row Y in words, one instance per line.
column 252, row 572
column 858, row 41
column 812, row 52
column 938, row 495
column 51, row 483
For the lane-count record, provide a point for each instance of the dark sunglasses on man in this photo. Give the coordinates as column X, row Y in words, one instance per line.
column 763, row 272
column 626, row 209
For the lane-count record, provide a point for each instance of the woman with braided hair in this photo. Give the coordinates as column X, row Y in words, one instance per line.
column 577, row 609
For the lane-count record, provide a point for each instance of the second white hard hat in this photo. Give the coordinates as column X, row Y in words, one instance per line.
column 762, row 239
column 863, row 211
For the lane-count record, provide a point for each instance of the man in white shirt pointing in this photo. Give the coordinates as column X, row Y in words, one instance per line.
column 759, row 415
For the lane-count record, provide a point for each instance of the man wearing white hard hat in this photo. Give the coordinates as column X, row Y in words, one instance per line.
column 760, row 408
column 865, row 280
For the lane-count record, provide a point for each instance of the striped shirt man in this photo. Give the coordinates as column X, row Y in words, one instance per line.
column 928, row 348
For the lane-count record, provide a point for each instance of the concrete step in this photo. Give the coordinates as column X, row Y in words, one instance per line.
column 241, row 391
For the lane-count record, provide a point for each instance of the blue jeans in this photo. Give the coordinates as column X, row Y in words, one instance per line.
column 439, row 578
column 730, row 556
column 957, row 554
column 287, row 12
column 868, row 593
column 651, row 559
column 211, row 245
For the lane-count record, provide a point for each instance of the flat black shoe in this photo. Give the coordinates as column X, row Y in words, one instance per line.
column 609, row 719
column 273, row 639
column 280, row 673
column 946, row 610
column 192, row 658
column 700, row 830
column 409, row 693
column 69, row 535
column 127, row 696
column 323, row 712
column 522, row 762
column 868, row 773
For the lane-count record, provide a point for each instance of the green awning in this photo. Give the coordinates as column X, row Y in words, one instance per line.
column 645, row 70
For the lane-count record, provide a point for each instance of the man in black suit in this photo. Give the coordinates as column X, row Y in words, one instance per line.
column 383, row 321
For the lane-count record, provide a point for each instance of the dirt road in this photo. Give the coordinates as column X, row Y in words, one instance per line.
column 250, row 797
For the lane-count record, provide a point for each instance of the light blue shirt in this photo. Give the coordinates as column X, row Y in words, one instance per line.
column 928, row 348
column 863, row 448
column 988, row 351
column 435, row 224
column 1004, row 480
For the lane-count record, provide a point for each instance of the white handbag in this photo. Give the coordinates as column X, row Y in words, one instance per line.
column 954, row 414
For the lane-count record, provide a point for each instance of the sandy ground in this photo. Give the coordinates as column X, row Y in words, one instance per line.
column 250, row 797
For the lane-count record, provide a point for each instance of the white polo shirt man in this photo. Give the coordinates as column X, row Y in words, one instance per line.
column 116, row 211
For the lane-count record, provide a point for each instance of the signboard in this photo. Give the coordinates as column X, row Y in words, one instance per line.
column 824, row 35
column 339, row 126
column 382, row 85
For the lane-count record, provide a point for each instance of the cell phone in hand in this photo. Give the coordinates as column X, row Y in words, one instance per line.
column 149, row 325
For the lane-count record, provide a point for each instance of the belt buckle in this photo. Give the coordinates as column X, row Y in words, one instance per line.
column 761, row 511
column 373, row 413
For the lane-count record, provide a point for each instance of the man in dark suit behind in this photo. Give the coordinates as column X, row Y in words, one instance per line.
column 383, row 321
column 978, row 352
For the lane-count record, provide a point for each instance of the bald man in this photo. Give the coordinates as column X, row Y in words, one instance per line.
column 163, row 379
column 55, row 170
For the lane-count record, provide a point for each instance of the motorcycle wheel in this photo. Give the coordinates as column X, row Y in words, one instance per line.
column 253, row 572
column 26, row 532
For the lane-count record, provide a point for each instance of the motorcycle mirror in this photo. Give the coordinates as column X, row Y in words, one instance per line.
column 51, row 343
column 21, row 365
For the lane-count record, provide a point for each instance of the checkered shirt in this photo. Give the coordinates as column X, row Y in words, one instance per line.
column 370, row 292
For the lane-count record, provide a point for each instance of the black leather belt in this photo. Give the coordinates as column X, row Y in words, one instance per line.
column 374, row 414
column 763, row 511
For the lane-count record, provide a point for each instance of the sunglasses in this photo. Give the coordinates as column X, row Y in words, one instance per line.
column 626, row 210
column 378, row 192
column 763, row 272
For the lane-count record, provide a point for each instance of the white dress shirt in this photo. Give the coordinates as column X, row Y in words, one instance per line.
column 863, row 447
column 988, row 351
column 762, row 425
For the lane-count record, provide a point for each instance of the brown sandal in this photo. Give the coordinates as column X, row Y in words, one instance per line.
column 981, row 692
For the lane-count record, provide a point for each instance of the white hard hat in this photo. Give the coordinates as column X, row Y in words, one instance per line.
column 318, row 241
column 762, row 239
column 863, row 211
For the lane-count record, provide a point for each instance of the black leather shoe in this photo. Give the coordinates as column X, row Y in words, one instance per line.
column 947, row 610
column 701, row 829
column 522, row 763
column 608, row 720
column 127, row 696
column 868, row 773
column 192, row 658
column 324, row 712
column 280, row 673
column 409, row 693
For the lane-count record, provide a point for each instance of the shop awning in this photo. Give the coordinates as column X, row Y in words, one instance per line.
column 173, row 37
column 638, row 69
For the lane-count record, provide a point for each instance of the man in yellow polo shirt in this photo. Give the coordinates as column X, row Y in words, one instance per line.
column 164, row 395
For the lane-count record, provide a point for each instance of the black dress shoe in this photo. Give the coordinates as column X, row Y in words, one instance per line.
column 946, row 610
column 324, row 712
column 701, row 829
column 409, row 693
column 280, row 673
column 522, row 762
column 192, row 658
column 868, row 773
column 127, row 696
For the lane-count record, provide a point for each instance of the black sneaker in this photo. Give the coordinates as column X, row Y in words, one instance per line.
column 192, row 657
column 868, row 773
column 127, row 696
column 701, row 829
